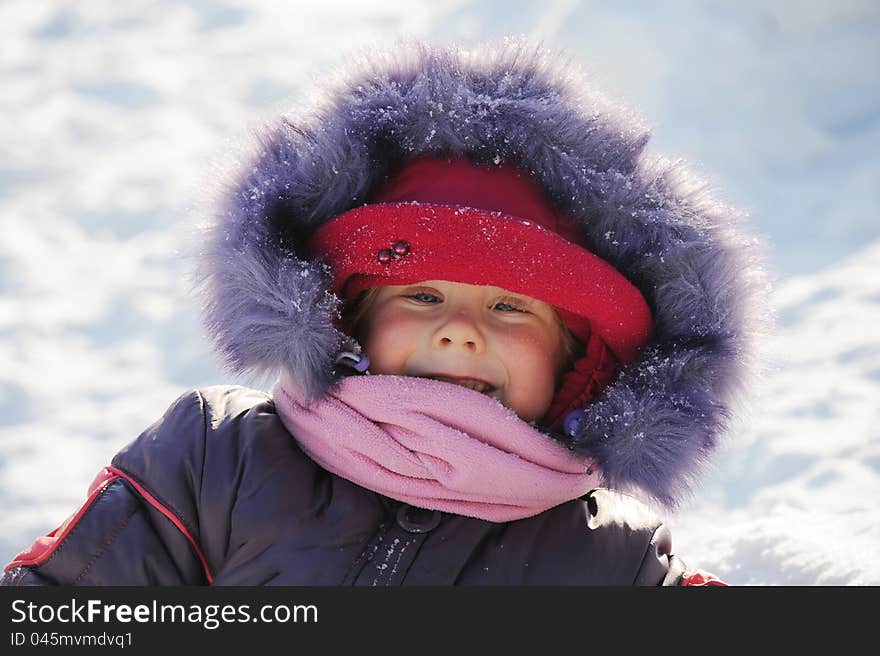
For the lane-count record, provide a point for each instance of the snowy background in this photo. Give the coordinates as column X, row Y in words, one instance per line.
column 112, row 111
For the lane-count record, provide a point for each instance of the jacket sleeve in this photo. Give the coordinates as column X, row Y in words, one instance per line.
column 128, row 532
column 630, row 532
column 661, row 567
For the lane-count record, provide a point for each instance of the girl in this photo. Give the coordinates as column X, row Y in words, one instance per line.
column 494, row 323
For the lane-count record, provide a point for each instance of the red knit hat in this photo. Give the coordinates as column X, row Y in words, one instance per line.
column 439, row 219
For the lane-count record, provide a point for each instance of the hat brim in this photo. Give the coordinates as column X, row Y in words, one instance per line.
column 481, row 247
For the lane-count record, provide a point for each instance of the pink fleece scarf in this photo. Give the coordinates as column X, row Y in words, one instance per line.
column 435, row 445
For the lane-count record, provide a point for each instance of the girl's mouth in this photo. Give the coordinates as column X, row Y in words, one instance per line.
column 471, row 383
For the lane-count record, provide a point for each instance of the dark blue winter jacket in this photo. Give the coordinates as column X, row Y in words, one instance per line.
column 217, row 491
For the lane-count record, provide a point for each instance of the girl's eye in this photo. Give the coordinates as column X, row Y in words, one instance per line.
column 507, row 307
column 424, row 297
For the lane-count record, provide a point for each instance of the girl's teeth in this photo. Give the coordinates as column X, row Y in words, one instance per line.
column 470, row 384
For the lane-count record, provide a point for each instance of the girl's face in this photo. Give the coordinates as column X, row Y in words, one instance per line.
column 505, row 345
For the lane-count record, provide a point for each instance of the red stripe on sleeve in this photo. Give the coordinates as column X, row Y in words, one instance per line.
column 43, row 547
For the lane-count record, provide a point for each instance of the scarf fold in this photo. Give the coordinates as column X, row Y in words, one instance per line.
column 435, row 445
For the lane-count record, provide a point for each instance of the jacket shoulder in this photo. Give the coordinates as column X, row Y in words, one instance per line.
column 219, row 459
column 176, row 443
column 198, row 441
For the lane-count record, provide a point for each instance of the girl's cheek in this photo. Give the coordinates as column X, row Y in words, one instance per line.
column 535, row 356
column 383, row 353
column 533, row 345
column 389, row 343
column 398, row 328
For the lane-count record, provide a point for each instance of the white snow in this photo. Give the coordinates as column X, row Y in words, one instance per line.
column 112, row 112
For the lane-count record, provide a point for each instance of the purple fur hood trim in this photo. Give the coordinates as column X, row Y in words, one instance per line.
column 268, row 309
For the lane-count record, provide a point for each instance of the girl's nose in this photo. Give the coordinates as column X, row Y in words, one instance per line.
column 460, row 331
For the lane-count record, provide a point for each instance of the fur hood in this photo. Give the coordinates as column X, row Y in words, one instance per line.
column 268, row 308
